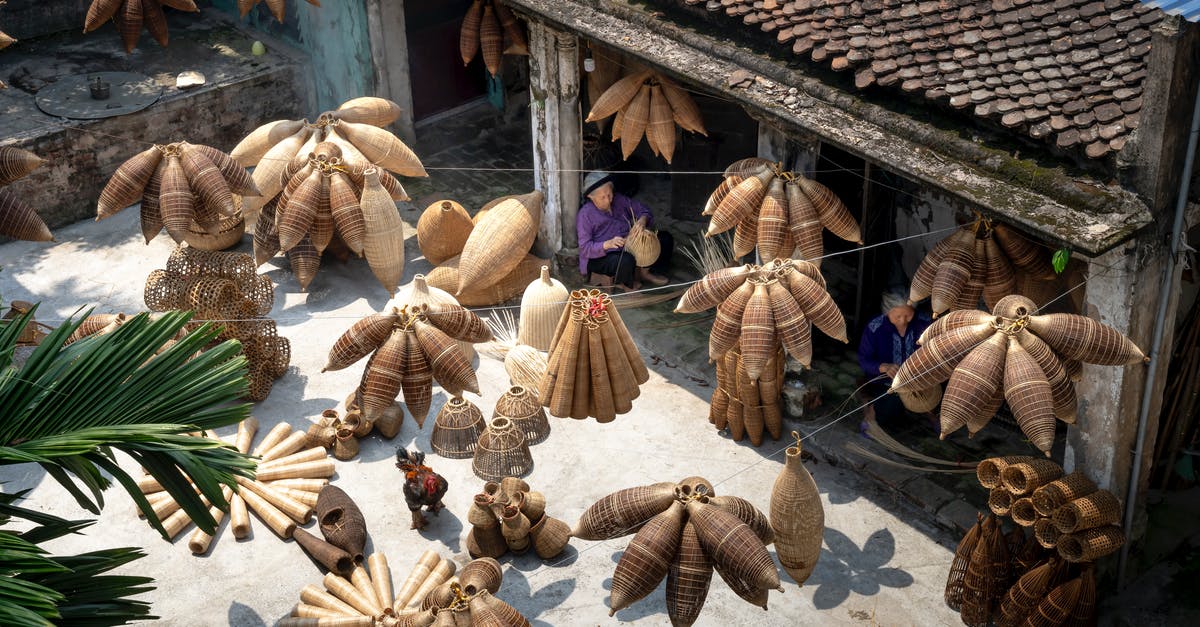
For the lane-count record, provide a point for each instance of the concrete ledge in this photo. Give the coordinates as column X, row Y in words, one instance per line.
column 241, row 92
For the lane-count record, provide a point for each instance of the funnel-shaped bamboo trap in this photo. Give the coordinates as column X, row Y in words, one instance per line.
column 748, row 408
column 797, row 517
column 508, row 516
column 130, row 16
column 17, row 219
column 647, row 103
column 683, row 531
column 1013, row 356
column 225, row 288
column 278, row 8
column 779, row 212
column 490, row 27
column 595, row 368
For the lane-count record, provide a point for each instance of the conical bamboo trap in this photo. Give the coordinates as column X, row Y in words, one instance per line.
column 499, row 242
column 278, row 8
column 521, row 405
column 447, row 276
column 420, row 292
column 442, row 230
column 507, row 516
column 188, row 189
column 682, row 531
column 765, row 307
column 746, row 408
column 368, row 597
column 410, row 349
column 485, row 27
column 542, row 304
column 797, row 517
column 456, row 429
column 650, row 104
column 1013, row 356
column 17, row 219
column 595, row 368
column 501, row 451
column 225, row 288
column 130, row 16
column 778, row 212
column 283, row 494
column 981, row 259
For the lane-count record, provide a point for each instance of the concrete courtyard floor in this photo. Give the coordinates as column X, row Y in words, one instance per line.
column 881, row 563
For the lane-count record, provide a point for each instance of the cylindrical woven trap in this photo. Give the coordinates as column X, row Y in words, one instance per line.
column 456, row 429
column 501, row 452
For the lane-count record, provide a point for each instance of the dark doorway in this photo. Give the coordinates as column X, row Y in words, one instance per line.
column 440, row 82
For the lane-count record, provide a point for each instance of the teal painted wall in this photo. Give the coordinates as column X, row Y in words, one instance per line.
column 335, row 37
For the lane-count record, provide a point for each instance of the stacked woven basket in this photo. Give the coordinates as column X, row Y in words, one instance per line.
column 485, row 26
column 507, row 516
column 17, row 219
column 1013, row 356
column 187, row 189
column 778, row 212
column 224, row 287
column 459, row 430
column 647, row 103
column 595, row 368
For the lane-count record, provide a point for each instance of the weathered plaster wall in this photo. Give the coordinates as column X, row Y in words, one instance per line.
column 26, row 19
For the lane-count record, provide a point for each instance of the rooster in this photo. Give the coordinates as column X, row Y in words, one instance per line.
column 422, row 486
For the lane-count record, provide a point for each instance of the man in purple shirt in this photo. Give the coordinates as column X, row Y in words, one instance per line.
column 603, row 223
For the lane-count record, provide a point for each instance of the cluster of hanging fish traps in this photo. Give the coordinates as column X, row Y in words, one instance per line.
column 778, row 212
column 746, row 407
column 507, row 516
column 980, row 259
column 647, row 103
column 594, row 367
column 130, row 16
column 186, row 188
column 1012, row 356
column 17, row 219
column 409, row 349
column 764, row 307
column 1066, row 513
column 278, row 8
column 483, row 260
column 225, row 288
column 328, row 182
column 683, row 531
column 484, row 27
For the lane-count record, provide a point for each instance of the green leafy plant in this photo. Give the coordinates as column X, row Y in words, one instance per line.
column 1060, row 259
column 68, row 408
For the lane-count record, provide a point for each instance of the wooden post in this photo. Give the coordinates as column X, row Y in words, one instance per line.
column 544, row 113
column 389, row 51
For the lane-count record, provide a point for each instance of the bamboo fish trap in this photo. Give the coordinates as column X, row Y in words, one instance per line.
column 1013, row 356
column 17, row 219
column 509, row 516
column 745, row 408
column 499, row 242
column 278, row 8
column 442, row 230
column 131, row 15
column 797, row 517
column 778, row 212
column 456, row 429
column 594, row 367
column 648, row 104
column 542, row 305
column 487, row 25
column 682, row 531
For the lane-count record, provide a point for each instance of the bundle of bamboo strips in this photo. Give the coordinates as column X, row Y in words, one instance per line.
column 17, row 219
column 509, row 516
column 594, row 368
column 647, row 103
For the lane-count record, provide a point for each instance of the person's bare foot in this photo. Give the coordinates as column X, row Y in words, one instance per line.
column 649, row 277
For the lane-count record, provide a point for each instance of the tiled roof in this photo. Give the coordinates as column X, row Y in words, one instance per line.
column 1064, row 71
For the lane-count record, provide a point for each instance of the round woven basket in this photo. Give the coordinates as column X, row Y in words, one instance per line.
column 230, row 234
column 456, row 429
column 501, row 452
column 521, row 405
column 644, row 246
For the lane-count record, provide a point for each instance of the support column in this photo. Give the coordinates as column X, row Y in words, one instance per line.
column 544, row 119
column 772, row 143
column 389, row 52
column 570, row 135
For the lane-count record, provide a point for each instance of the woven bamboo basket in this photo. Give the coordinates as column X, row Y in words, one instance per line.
column 491, row 40
column 456, row 429
column 542, row 304
column 498, row 242
column 759, row 340
column 251, row 148
column 468, row 34
column 381, row 379
column 514, row 526
column 1021, row 252
column 1028, row 591
column 986, row 578
column 834, row 214
column 934, row 362
column 501, row 452
column 341, row 522
column 797, row 517
column 712, row 289
column 645, row 561
column 450, row 366
column 1097, row 509
column 1059, row 492
column 747, row 513
column 1084, row 612
column 921, row 401
column 521, row 405
column 268, row 175
column 328, row 555
column 635, row 120
column 229, row 233
column 512, row 31
column 1084, row 339
column 382, row 148
column 732, row 544
column 15, row 163
column 683, row 109
column 123, row 189
column 817, row 304
column 726, row 329
column 305, row 261
column 618, row 96
column 419, row 292
column 998, row 279
column 1062, row 391
column 361, row 339
column 922, row 281
column 623, row 512
column 442, row 230
column 369, row 110
column 549, row 536
column 688, row 577
column 480, row 574
column 973, row 386
column 1022, row 478
column 773, row 232
column 416, row 379
column 660, row 132
column 953, row 272
column 742, row 200
column 1045, row 532
column 792, row 327
column 644, row 246
column 1000, row 501
column 989, row 471
column 1090, row 544
column 1023, row 512
column 383, row 240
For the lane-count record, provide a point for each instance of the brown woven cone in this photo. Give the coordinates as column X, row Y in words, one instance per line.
column 1084, row 339
column 389, row 421
column 361, row 339
column 1084, row 612
column 973, row 384
column 603, row 393
column 468, row 34
column 506, row 612
column 499, row 241
column 726, row 328
column 1022, row 478
column 123, row 189
column 1025, row 595
column 745, row 235
column 747, row 513
column 151, row 216
column 446, row 359
column 1021, row 252
column 683, row 109
column 735, row 417
column 341, row 522
column 986, row 579
column 712, row 289
column 346, row 213
column 383, row 236
column 1045, row 532
column 501, row 452
column 581, row 386
column 416, row 380
column 637, row 365
column 769, row 393
column 457, row 322
column 792, row 327
column 732, row 544
column 989, row 470
column 521, row 405
column 719, row 194
column 557, row 382
column 1057, row 493
column 456, row 429
column 635, row 119
column 381, row 378
column 442, row 230
column 331, row 557
column 1097, row 509
column 549, row 536
column 1000, row 501
column 486, row 542
column 998, row 280
column 382, row 148
column 1057, row 606
column 480, row 574
column 958, row 567
column 834, row 214
column 660, row 131
column 617, row 96
column 752, row 417
column 1023, row 512
column 1062, row 390
column 645, row 561
column 16, row 162
column 953, row 272
column 797, row 517
column 953, row 320
column 305, row 261
column 741, row 201
column 758, row 338
column 624, row 511
column 206, row 181
column 688, row 577
column 804, row 224
column 817, row 304
column 934, row 362
column 773, row 222
column 921, row 401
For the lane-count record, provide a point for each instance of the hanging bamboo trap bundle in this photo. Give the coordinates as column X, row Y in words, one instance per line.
column 1011, row 356
column 501, row 451
column 420, row 292
column 682, row 531
column 978, row 260
column 746, row 408
column 130, row 16
column 594, row 367
column 508, row 516
column 278, row 8
column 17, row 219
column 283, row 494
column 779, row 212
column 648, row 104
column 485, row 27
column 765, row 307
column 456, row 429
column 442, row 230
column 542, row 304
column 410, row 349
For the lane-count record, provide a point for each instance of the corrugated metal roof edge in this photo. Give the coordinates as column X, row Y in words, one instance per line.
column 1188, row 9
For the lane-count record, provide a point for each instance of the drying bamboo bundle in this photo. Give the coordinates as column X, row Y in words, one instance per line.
column 418, row 348
column 797, row 517
column 507, row 287
column 647, row 103
column 979, row 259
column 501, row 451
column 442, row 230
column 542, row 305
column 1011, row 356
column 777, row 211
column 131, row 15
column 499, row 241
column 518, row 514
column 456, row 429
column 765, row 307
column 521, row 405
column 224, row 286
column 725, row 535
column 595, row 368
column 746, row 408
column 485, row 27
column 17, row 219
